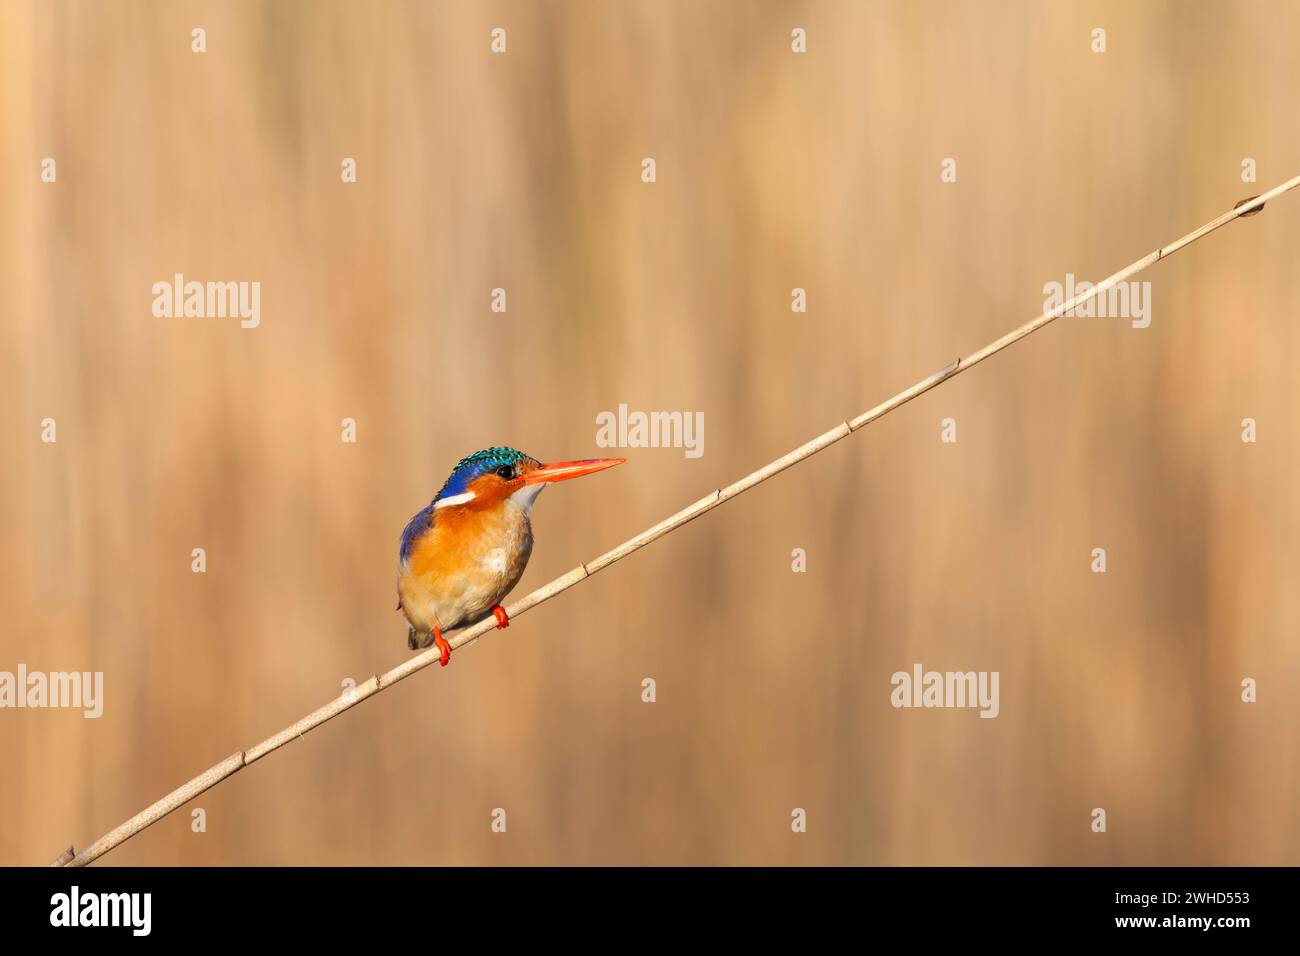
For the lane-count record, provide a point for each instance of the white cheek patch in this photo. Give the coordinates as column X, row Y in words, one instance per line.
column 526, row 495
column 453, row 500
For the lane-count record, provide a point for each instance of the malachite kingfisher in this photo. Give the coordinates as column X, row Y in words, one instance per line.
column 463, row 553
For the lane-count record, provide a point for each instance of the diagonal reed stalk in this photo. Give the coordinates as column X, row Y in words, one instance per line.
column 240, row 759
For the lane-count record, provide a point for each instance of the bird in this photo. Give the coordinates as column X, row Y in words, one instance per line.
column 462, row 554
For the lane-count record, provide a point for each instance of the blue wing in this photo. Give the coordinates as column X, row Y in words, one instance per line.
column 414, row 528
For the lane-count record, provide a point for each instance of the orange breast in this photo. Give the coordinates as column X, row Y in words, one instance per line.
column 466, row 563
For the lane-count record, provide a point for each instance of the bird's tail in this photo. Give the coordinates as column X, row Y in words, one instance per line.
column 416, row 641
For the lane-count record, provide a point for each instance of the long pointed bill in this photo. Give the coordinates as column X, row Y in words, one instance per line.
column 564, row 470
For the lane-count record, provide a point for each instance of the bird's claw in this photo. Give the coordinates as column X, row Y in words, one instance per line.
column 444, row 649
column 503, row 619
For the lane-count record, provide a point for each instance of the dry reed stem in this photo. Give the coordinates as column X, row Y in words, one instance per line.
column 237, row 761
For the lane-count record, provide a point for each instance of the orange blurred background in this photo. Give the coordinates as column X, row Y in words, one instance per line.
column 775, row 170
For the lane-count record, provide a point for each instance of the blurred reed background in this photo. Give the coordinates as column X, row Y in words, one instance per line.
column 775, row 170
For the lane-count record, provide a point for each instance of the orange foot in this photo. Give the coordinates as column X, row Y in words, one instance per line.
column 503, row 619
column 444, row 648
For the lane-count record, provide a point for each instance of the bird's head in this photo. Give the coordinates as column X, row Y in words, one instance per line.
column 494, row 475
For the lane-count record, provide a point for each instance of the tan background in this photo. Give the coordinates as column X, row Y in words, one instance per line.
column 775, row 171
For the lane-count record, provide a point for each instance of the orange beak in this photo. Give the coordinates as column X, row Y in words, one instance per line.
column 564, row 470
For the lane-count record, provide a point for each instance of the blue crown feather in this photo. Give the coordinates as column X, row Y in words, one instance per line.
column 479, row 463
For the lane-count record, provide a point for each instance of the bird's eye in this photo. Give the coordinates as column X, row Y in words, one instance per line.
column 507, row 472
